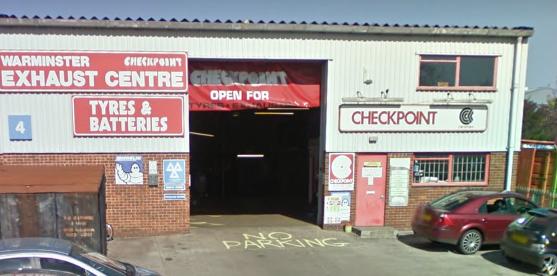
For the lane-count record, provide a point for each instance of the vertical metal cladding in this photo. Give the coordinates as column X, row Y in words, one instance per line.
column 391, row 62
column 52, row 126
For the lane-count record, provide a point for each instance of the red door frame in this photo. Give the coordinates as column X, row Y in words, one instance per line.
column 370, row 190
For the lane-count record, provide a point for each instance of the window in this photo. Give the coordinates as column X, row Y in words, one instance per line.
column 521, row 206
column 450, row 169
column 506, row 206
column 497, row 206
column 15, row 264
column 457, row 72
column 59, row 265
column 452, row 201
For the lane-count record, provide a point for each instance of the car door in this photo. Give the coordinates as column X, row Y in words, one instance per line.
column 496, row 214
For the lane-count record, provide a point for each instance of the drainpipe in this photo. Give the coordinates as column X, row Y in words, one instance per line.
column 512, row 116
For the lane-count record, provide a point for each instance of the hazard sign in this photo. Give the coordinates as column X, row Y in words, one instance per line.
column 174, row 174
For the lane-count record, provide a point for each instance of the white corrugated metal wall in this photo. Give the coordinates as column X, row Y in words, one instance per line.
column 392, row 63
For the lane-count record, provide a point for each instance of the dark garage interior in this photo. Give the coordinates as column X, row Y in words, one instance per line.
column 255, row 162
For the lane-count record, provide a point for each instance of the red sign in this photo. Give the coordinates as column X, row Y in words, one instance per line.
column 57, row 71
column 223, row 86
column 341, row 171
column 128, row 116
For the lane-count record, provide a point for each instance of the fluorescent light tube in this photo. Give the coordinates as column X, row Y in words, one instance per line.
column 202, row 134
column 274, row 113
column 250, row 155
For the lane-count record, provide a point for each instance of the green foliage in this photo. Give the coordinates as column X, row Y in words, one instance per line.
column 540, row 121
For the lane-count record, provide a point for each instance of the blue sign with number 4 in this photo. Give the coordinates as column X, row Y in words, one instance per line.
column 20, row 127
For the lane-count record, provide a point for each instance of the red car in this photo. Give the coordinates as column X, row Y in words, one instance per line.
column 469, row 219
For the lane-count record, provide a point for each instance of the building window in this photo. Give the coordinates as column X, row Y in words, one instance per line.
column 457, row 73
column 451, row 169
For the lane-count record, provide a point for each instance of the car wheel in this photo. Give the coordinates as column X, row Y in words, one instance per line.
column 549, row 264
column 470, row 242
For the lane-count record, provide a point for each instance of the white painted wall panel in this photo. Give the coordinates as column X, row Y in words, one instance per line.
column 52, row 129
column 390, row 61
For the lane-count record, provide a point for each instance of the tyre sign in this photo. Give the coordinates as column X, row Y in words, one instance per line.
column 128, row 116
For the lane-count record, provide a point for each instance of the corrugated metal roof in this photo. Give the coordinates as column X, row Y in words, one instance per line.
column 261, row 25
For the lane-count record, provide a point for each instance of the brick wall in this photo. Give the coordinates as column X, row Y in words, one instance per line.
column 401, row 217
column 132, row 210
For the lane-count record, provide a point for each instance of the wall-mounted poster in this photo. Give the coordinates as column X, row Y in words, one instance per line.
column 344, row 212
column 332, row 213
column 399, row 181
column 129, row 170
column 341, row 171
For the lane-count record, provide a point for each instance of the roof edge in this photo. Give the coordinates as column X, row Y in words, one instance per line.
column 249, row 26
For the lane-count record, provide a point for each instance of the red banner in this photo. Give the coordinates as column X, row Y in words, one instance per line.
column 58, row 71
column 223, row 86
column 128, row 116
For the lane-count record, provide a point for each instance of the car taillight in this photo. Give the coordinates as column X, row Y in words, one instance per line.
column 444, row 220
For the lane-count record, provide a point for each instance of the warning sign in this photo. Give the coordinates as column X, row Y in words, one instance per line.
column 174, row 174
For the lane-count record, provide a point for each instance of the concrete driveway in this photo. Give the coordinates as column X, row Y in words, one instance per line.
column 279, row 245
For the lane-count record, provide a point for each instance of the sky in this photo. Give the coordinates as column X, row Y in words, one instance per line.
column 539, row 14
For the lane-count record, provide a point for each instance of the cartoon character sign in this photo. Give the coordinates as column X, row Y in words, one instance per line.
column 129, row 170
column 344, row 210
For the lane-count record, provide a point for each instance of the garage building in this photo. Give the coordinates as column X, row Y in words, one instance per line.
column 325, row 122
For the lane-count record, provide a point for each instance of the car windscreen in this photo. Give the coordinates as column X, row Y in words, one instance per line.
column 452, row 201
column 539, row 220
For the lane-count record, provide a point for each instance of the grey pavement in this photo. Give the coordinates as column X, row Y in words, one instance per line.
column 279, row 245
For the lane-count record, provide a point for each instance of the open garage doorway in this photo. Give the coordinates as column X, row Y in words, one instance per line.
column 255, row 157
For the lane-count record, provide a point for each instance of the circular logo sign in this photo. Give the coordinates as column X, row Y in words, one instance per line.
column 466, row 116
column 342, row 166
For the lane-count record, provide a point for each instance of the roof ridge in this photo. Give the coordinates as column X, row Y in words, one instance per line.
column 249, row 21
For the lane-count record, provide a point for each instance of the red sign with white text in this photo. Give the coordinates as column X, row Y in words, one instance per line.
column 61, row 71
column 224, row 86
column 341, row 171
column 128, row 116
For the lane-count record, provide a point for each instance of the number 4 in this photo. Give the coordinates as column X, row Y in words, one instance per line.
column 20, row 127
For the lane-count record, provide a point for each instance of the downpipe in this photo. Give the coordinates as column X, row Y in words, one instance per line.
column 513, row 112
